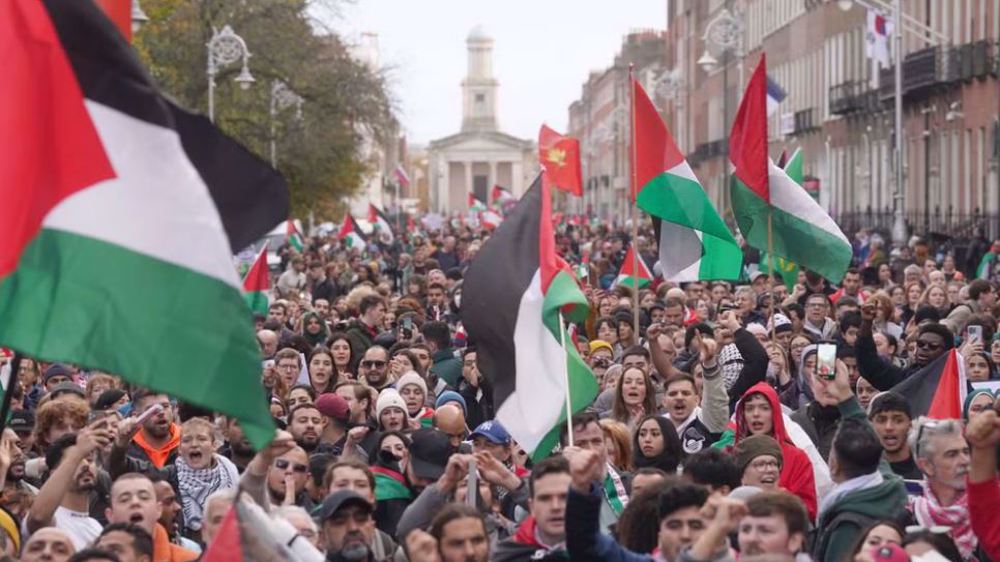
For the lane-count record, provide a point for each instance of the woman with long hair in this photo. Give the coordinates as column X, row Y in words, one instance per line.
column 979, row 367
column 879, row 533
column 616, row 439
column 885, row 313
column 936, row 296
column 342, row 351
column 912, row 291
column 655, row 444
column 606, row 329
column 322, row 373
column 404, row 360
column 635, row 397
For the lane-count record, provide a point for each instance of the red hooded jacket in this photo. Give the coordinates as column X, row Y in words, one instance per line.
column 796, row 468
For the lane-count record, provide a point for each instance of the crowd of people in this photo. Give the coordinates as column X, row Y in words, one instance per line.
column 721, row 431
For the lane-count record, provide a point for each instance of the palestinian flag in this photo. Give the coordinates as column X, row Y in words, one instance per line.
column 247, row 534
column 512, row 297
column 475, row 205
column 256, row 283
column 802, row 232
column 390, row 485
column 560, row 158
column 121, row 213
column 351, row 233
column 938, row 390
column 489, row 219
column 500, row 196
column 379, row 221
column 634, row 271
column 293, row 237
column 694, row 242
column 786, row 269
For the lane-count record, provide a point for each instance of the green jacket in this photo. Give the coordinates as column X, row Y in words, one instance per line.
column 447, row 367
column 840, row 524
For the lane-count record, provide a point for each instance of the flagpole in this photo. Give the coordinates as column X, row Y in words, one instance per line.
column 569, row 402
column 635, row 220
column 770, row 270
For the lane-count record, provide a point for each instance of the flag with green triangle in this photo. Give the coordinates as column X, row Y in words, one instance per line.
column 293, row 237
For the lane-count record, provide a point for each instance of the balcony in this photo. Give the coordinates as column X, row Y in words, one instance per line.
column 842, row 97
column 709, row 150
column 924, row 70
column 805, row 122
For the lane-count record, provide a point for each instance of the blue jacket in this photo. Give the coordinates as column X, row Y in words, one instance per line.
column 586, row 542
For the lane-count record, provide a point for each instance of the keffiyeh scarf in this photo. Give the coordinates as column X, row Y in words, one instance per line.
column 197, row 484
column 930, row 513
column 614, row 491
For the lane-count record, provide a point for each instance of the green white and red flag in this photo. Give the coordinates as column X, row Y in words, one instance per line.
column 694, row 242
column 762, row 193
column 351, row 233
column 293, row 236
column 513, row 294
column 256, row 284
column 121, row 213
column 634, row 272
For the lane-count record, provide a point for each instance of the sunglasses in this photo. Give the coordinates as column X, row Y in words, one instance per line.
column 929, row 424
column 927, row 345
column 367, row 364
column 283, row 464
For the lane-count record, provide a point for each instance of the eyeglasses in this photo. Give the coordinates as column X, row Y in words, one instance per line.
column 283, row 464
column 288, row 367
column 372, row 364
column 765, row 464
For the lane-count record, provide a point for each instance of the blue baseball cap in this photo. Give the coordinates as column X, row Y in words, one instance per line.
column 493, row 432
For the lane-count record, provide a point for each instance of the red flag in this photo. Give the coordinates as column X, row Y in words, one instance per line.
column 119, row 12
column 560, row 158
column 226, row 546
column 257, row 278
column 748, row 141
column 946, row 404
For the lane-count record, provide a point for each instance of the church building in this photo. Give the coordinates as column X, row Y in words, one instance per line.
column 480, row 155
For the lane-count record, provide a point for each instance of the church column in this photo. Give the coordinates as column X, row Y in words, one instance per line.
column 517, row 186
column 468, row 180
column 493, row 175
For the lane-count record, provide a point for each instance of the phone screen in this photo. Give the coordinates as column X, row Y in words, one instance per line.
column 975, row 333
column 826, row 360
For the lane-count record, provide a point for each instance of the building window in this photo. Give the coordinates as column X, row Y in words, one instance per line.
column 480, row 98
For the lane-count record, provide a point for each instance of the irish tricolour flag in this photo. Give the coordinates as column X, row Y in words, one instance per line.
column 634, row 271
column 512, row 295
column 121, row 213
column 694, row 242
column 351, row 233
column 762, row 192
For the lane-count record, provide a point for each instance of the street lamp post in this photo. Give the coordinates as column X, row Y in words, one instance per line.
column 224, row 48
column 724, row 32
column 282, row 97
column 900, row 22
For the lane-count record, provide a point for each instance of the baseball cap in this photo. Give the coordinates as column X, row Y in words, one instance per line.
column 66, row 388
column 339, row 499
column 601, row 344
column 757, row 275
column 429, row 452
column 333, row 406
column 22, row 421
column 493, row 432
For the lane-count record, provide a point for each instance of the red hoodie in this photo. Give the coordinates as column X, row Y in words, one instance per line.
column 796, row 468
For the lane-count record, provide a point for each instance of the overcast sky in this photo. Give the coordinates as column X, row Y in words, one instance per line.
column 543, row 52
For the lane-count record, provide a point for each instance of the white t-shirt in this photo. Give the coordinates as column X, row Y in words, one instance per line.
column 79, row 525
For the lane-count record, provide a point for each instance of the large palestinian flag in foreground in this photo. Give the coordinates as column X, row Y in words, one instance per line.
column 512, row 295
column 121, row 213
column 801, row 230
column 938, row 390
column 694, row 242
